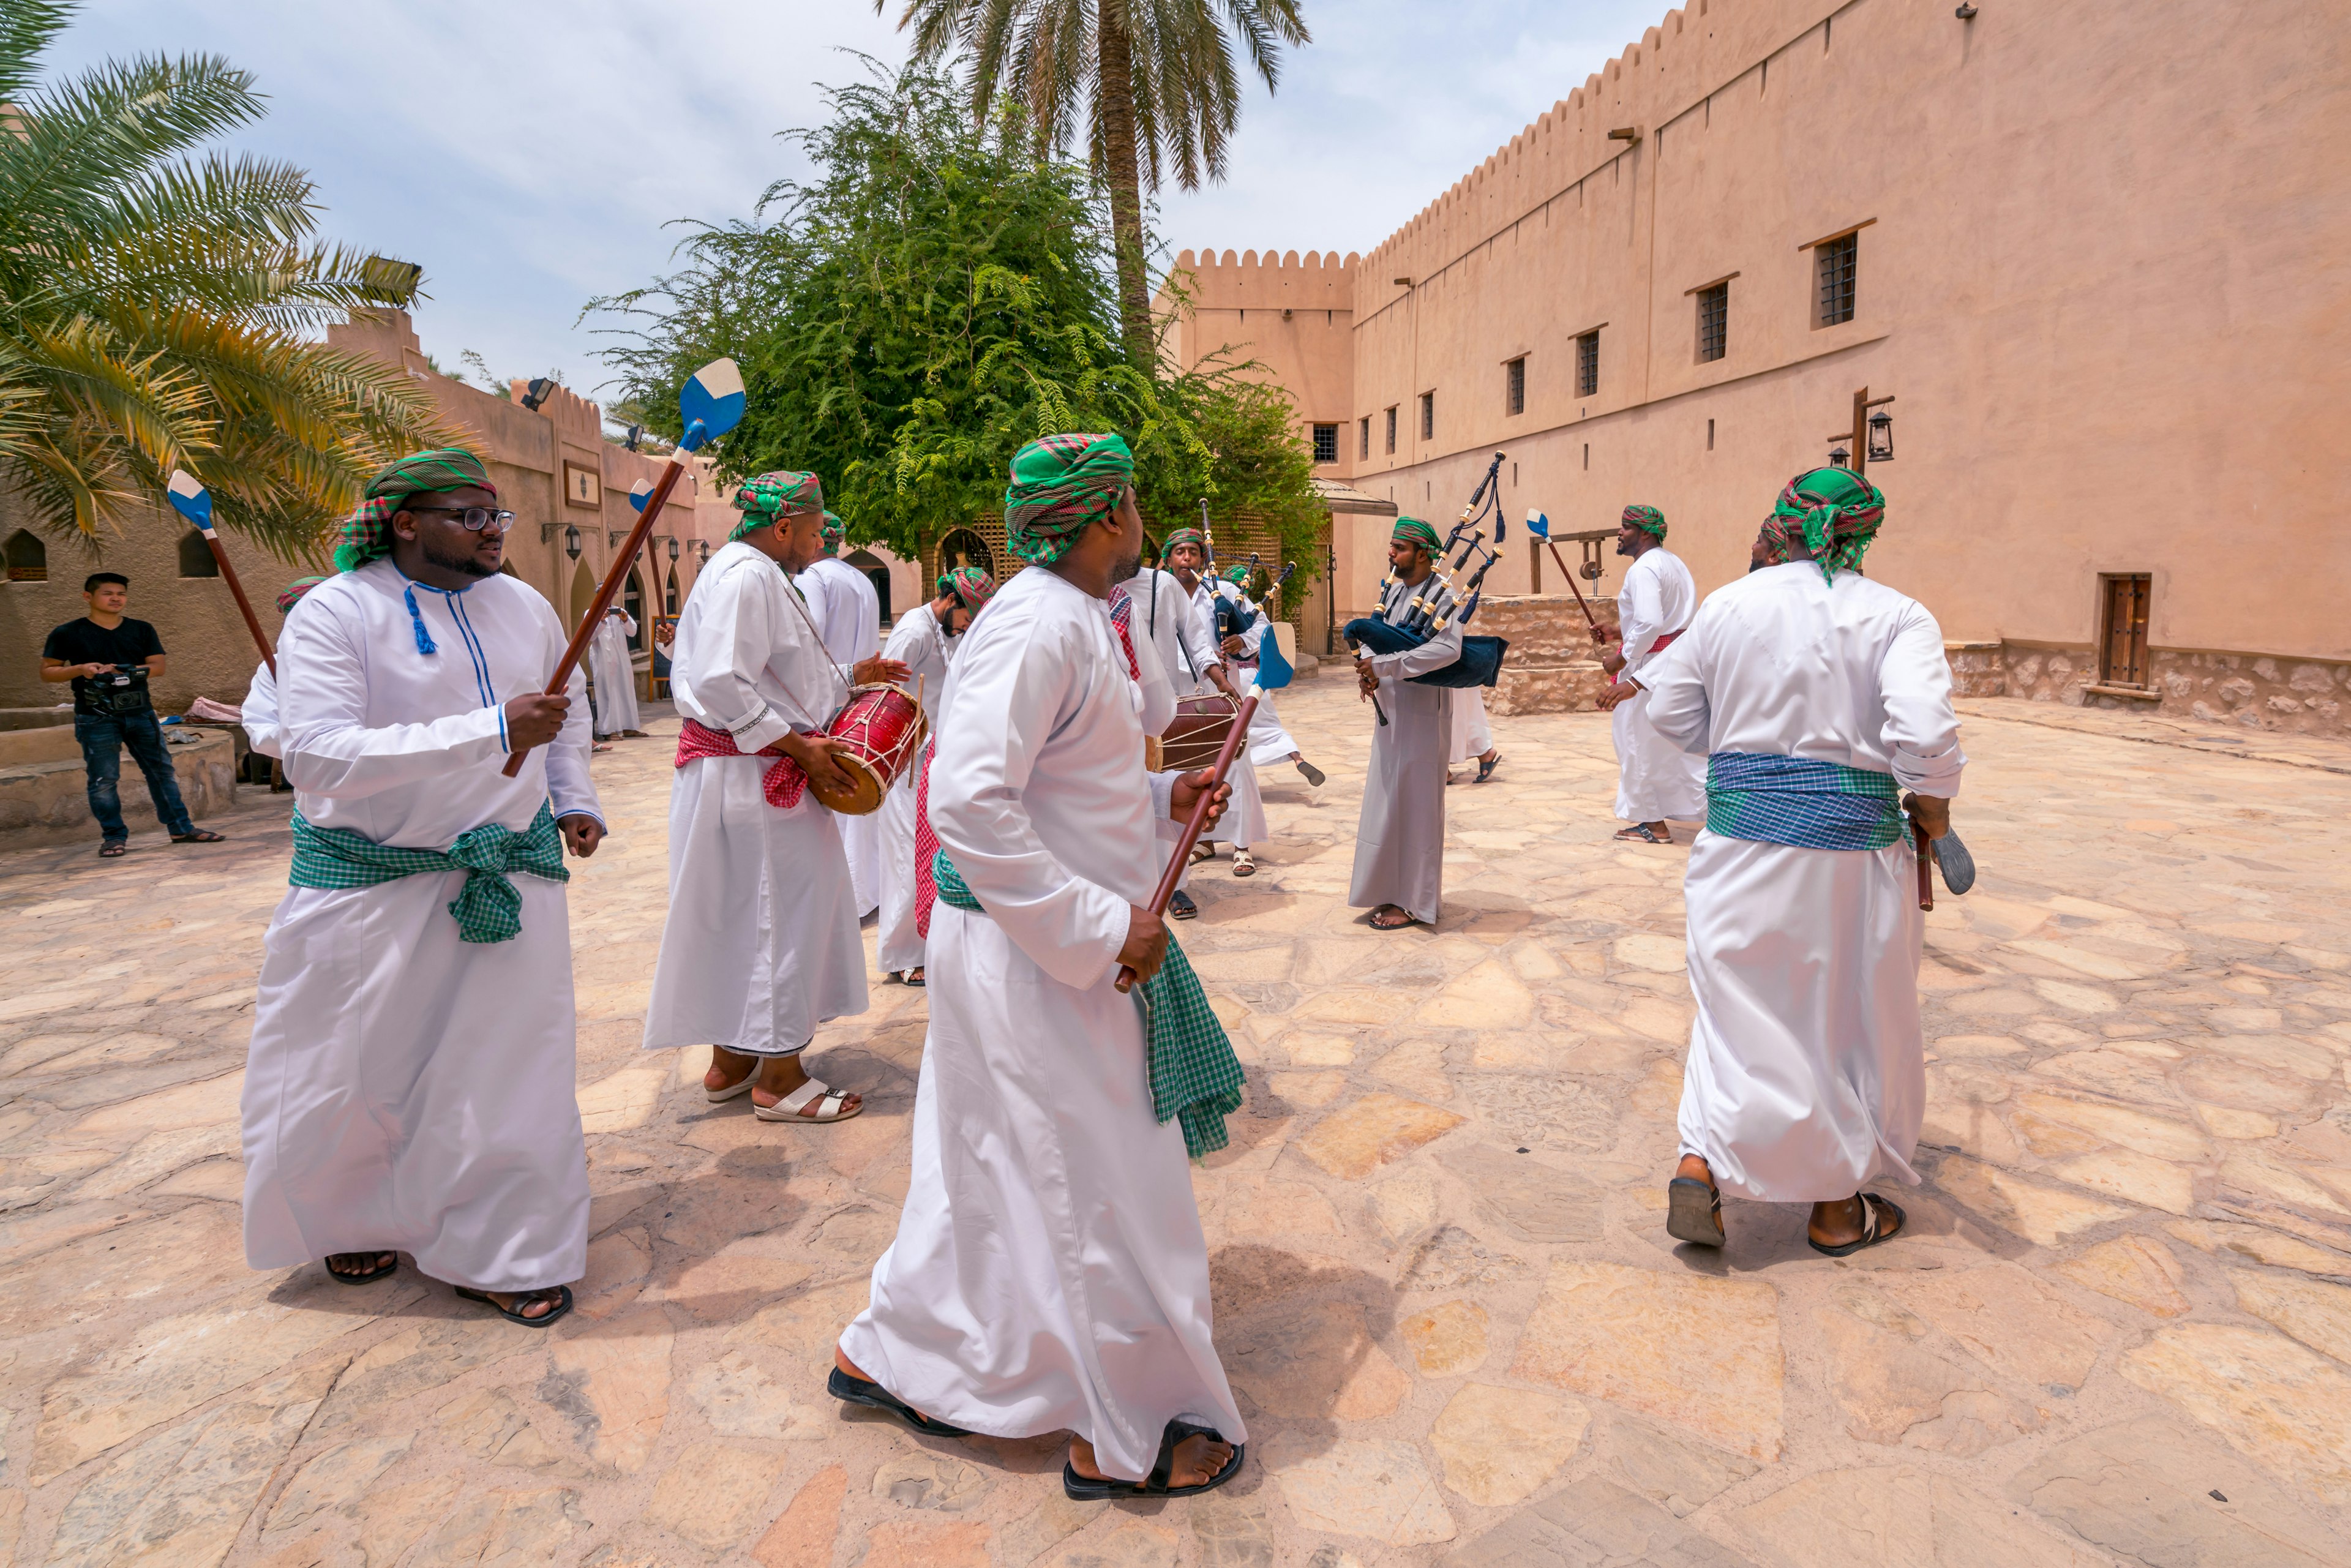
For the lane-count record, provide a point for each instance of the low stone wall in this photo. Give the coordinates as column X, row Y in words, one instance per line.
column 1552, row 666
column 2299, row 696
column 43, row 802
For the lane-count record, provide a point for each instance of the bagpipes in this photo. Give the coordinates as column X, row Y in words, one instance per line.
column 1446, row 600
column 1235, row 616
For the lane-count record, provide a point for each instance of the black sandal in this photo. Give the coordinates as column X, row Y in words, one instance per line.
column 1486, row 768
column 112, row 848
column 201, row 836
column 1871, row 1233
column 1693, row 1212
column 874, row 1396
column 514, row 1313
column 367, row 1276
column 1639, row 832
column 1085, row 1488
column 1406, row 923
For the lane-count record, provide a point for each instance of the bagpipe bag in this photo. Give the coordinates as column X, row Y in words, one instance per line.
column 1480, row 664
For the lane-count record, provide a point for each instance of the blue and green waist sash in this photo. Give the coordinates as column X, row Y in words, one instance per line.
column 1802, row 801
column 1195, row 1077
column 488, row 908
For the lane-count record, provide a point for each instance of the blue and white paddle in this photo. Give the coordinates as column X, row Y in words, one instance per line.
column 192, row 501
column 640, row 493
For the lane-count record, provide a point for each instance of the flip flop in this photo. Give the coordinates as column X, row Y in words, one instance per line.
column 562, row 1305
column 1406, row 923
column 1181, row 906
column 1952, row 857
column 1085, row 1488
column 1871, row 1233
column 368, row 1276
column 201, row 836
column 788, row 1109
column 1639, row 832
column 1693, row 1212
column 874, row 1396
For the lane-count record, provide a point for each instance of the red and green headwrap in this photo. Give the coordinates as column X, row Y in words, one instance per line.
column 1060, row 484
column 1181, row 537
column 835, row 530
column 366, row 534
column 1834, row 511
column 972, row 586
column 767, row 499
column 293, row 593
column 1412, row 531
column 1238, row 576
column 1648, row 520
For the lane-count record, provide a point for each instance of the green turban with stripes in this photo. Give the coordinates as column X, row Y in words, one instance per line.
column 970, row 585
column 293, row 593
column 1238, row 576
column 1648, row 520
column 768, row 498
column 1183, row 536
column 1059, row 485
column 835, row 530
column 1834, row 511
column 366, row 534
column 1412, row 531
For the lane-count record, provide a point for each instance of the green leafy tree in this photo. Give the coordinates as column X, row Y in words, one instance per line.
column 154, row 306
column 938, row 293
column 1157, row 80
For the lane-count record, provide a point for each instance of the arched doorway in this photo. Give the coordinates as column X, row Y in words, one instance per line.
column 963, row 547
column 26, row 557
column 875, row 573
column 669, row 594
column 632, row 599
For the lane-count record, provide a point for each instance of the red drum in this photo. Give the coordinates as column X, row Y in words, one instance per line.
column 882, row 728
column 1198, row 731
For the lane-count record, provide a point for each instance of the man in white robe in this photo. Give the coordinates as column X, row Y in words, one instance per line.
column 1819, row 694
column 614, row 673
column 1399, row 871
column 1655, row 780
column 258, row 714
column 1050, row 1272
column 1187, row 560
column 847, row 613
column 923, row 640
column 760, row 942
column 1270, row 740
column 1473, row 737
column 409, row 1086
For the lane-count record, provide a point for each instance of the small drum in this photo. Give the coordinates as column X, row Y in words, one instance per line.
column 882, row 728
column 1198, row 731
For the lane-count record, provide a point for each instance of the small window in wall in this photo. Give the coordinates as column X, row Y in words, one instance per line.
column 1587, row 364
column 1713, row 322
column 1391, row 413
column 196, row 557
column 27, row 558
column 1326, row 443
column 2122, row 642
column 1363, row 437
column 1429, row 416
column 1836, row 268
column 1514, row 386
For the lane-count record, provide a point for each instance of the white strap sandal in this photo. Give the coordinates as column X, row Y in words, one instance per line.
column 788, row 1109
column 1244, row 863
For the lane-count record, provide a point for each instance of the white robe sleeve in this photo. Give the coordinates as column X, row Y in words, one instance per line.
column 628, row 630
column 1198, row 634
column 259, row 713
column 568, row 788
column 1640, row 612
column 1922, row 732
column 1004, row 712
column 1441, row 649
column 1677, row 705
column 330, row 748
column 739, row 635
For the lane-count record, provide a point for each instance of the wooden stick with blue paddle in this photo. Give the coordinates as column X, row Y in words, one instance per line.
column 708, row 405
column 193, row 502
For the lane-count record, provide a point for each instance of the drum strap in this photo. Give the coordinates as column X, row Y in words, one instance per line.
column 808, row 621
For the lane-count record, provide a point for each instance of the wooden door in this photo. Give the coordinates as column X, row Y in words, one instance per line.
column 2122, row 651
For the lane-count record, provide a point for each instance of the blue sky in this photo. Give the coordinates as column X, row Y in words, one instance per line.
column 530, row 152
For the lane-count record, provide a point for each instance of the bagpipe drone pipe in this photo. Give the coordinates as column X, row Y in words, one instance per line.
column 1432, row 611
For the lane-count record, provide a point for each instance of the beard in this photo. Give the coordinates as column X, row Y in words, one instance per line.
column 468, row 563
column 1126, row 567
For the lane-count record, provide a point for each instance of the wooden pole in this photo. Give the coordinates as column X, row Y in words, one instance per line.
column 1926, row 881
column 1182, row 859
column 1572, row 587
column 244, row 605
column 613, row 577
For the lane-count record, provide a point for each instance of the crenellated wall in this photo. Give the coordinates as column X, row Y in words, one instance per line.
column 1293, row 317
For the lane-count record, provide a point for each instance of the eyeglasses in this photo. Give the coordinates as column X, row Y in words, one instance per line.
column 473, row 520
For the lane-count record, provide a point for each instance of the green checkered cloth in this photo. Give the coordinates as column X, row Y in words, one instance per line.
column 489, row 909
column 1807, row 802
column 1195, row 1077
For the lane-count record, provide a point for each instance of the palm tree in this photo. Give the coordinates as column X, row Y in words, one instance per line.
column 156, row 308
column 1157, row 79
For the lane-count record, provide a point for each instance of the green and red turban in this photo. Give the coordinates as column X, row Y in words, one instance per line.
column 835, row 530
column 293, row 593
column 767, row 499
column 972, row 586
column 1059, row 485
column 1834, row 511
column 366, row 534
column 1412, row 531
column 1648, row 520
column 1181, row 537
column 1238, row 576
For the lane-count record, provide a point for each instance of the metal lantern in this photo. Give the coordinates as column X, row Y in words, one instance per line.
column 1881, row 438
column 672, row 547
column 1839, row 457
column 571, row 541
column 703, row 547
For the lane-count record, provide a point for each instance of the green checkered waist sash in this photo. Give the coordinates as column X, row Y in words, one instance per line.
column 1804, row 802
column 1195, row 1077
column 487, row 909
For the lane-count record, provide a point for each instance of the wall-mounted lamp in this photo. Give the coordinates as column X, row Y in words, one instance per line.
column 1626, row 134
column 634, row 431
column 703, row 547
column 571, row 542
column 672, row 547
column 1403, row 282
column 536, row 393
column 1881, row 438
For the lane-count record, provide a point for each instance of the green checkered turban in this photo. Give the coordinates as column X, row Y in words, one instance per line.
column 1183, row 536
column 1835, row 512
column 969, row 584
column 293, row 593
column 1648, row 520
column 1412, row 531
column 764, row 499
column 366, row 534
column 835, row 530
column 1238, row 576
column 1060, row 484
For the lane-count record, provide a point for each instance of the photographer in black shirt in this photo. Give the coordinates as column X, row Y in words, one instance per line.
column 109, row 658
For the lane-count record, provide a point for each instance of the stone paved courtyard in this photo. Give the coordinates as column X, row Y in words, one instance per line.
column 2119, row 1332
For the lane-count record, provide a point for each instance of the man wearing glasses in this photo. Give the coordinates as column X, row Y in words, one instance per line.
column 410, row 1083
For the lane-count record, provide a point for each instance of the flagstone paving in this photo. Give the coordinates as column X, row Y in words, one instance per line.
column 2120, row 1331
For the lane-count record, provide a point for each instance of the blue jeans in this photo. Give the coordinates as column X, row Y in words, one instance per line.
column 102, row 739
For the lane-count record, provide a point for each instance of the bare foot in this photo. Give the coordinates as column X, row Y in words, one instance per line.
column 778, row 1076
column 728, row 1068
column 1198, row 1460
column 1391, row 917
